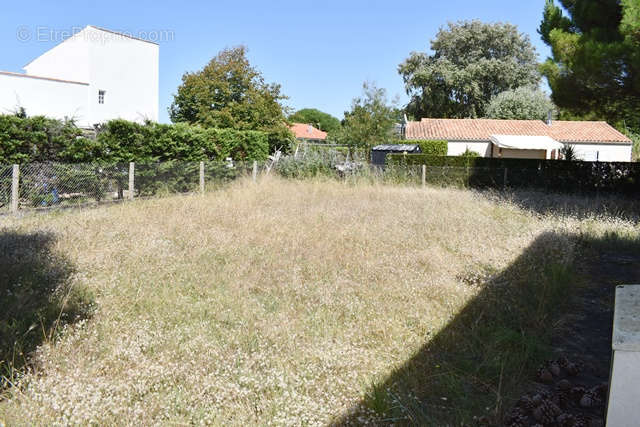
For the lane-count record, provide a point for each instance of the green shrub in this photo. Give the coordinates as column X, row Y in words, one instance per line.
column 152, row 142
column 432, row 147
column 241, row 145
column 35, row 139
column 39, row 139
column 469, row 153
column 312, row 164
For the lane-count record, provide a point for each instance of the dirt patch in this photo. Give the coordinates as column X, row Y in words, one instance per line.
column 571, row 388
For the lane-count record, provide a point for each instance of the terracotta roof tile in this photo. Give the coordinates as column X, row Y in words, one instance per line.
column 482, row 129
column 302, row 131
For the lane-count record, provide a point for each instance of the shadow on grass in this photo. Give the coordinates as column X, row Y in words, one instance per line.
column 477, row 365
column 577, row 206
column 37, row 297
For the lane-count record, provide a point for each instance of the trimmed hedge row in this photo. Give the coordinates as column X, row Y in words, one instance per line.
column 434, row 147
column 552, row 175
column 36, row 139
column 123, row 141
column 39, row 139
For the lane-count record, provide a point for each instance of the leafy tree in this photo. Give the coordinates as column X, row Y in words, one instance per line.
column 230, row 93
column 523, row 103
column 323, row 121
column 595, row 68
column 370, row 120
column 472, row 62
column 635, row 150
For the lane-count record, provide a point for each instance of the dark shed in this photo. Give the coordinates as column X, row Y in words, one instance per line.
column 379, row 152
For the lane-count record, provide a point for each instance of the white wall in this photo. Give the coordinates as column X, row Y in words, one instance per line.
column 40, row 97
column 455, row 148
column 606, row 152
column 128, row 71
column 67, row 61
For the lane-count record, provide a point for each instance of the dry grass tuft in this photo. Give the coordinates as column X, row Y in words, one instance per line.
column 278, row 303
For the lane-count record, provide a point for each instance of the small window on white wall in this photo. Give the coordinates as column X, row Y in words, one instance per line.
column 101, row 94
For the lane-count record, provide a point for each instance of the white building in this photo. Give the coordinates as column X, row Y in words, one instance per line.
column 93, row 76
column 529, row 139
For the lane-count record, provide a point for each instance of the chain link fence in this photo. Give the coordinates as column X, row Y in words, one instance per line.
column 53, row 185
column 43, row 185
column 6, row 173
column 59, row 185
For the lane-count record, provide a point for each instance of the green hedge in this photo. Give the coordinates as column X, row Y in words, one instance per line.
column 551, row 175
column 434, row 147
column 36, row 139
column 123, row 141
column 39, row 139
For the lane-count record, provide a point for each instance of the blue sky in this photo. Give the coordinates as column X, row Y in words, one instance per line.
column 319, row 51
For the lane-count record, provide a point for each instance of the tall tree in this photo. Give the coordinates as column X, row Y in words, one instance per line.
column 370, row 120
column 323, row 121
column 230, row 93
column 523, row 103
column 472, row 62
column 595, row 68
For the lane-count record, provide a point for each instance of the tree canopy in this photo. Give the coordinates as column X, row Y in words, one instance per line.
column 370, row 120
column 472, row 62
column 523, row 103
column 323, row 121
column 595, row 68
column 230, row 93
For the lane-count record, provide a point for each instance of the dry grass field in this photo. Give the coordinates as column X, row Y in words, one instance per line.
column 288, row 303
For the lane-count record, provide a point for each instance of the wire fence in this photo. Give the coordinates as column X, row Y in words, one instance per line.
column 56, row 185
column 6, row 172
column 440, row 176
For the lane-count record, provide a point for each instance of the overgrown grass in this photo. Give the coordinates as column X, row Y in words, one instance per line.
column 38, row 297
column 486, row 353
column 302, row 303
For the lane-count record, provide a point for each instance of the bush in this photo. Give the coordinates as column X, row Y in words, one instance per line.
column 125, row 141
column 40, row 139
column 241, row 145
column 432, row 147
column 36, row 139
column 469, row 153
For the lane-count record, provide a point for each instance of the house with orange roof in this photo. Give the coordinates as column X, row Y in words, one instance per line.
column 308, row 133
column 535, row 139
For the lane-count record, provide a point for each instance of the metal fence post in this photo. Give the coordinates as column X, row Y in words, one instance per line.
column 132, row 168
column 15, row 189
column 424, row 176
column 202, row 177
column 254, row 173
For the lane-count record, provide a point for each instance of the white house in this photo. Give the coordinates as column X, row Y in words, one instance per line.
column 536, row 139
column 93, row 76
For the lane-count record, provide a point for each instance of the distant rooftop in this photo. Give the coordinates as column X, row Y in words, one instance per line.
column 304, row 131
column 482, row 129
